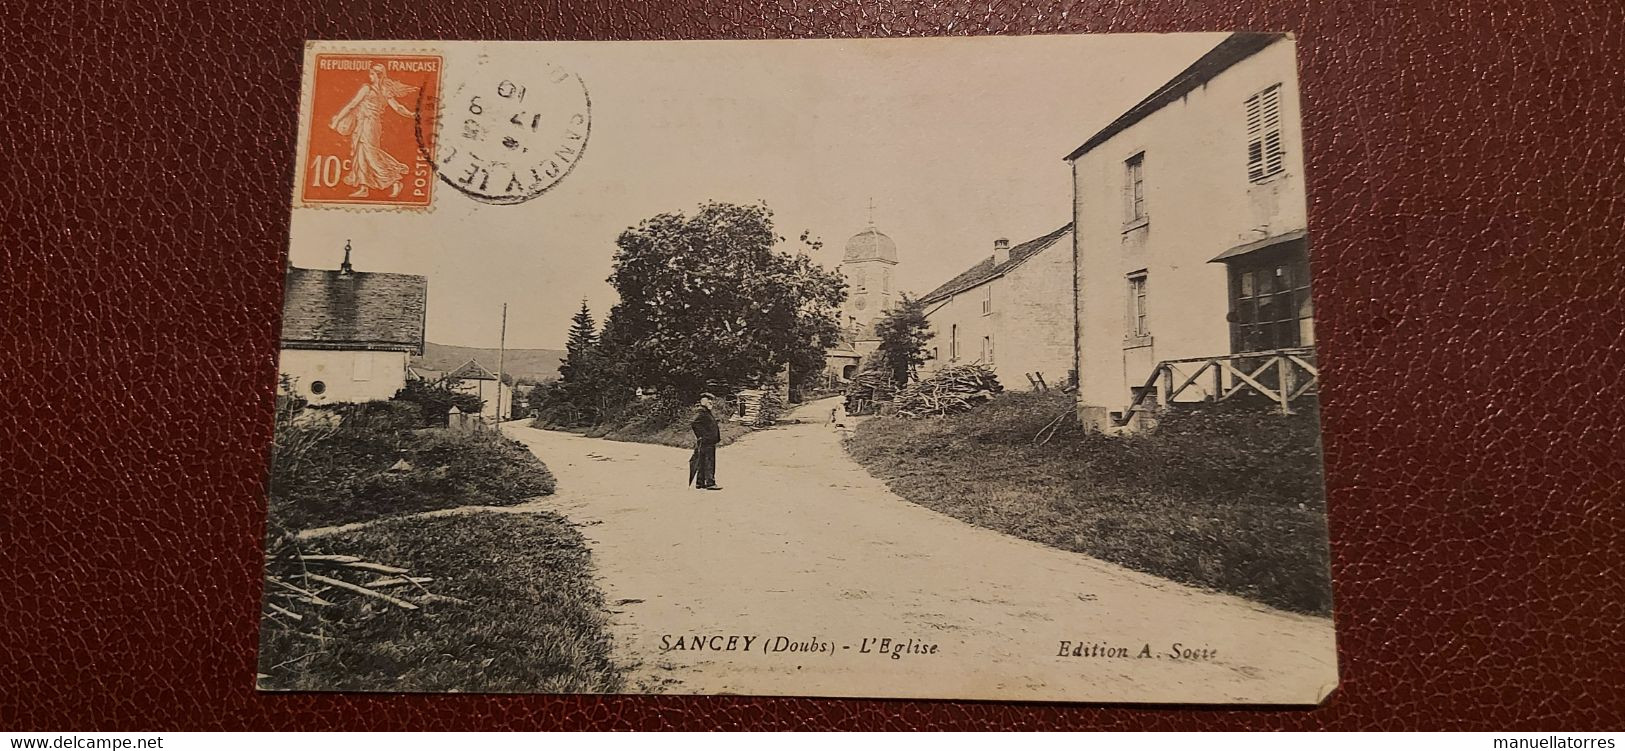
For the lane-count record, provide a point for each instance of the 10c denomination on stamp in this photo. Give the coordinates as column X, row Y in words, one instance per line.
column 510, row 136
column 364, row 140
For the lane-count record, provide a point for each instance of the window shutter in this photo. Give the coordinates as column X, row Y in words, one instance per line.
column 1266, row 155
column 1273, row 157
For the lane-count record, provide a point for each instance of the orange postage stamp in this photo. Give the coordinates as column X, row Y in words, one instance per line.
column 369, row 138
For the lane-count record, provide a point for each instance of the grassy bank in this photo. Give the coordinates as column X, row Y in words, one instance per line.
column 650, row 421
column 514, row 609
column 372, row 461
column 1231, row 501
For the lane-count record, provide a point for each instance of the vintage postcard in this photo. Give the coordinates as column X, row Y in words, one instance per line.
column 972, row 368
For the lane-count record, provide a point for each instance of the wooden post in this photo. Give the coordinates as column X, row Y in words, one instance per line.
column 1284, row 374
column 502, row 350
column 1165, row 390
column 1218, row 381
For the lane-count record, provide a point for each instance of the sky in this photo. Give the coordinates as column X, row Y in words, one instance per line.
column 956, row 141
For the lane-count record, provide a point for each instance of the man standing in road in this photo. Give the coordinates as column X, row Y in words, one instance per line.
column 702, row 466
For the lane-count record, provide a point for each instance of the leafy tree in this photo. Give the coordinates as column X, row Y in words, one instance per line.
column 709, row 301
column 904, row 333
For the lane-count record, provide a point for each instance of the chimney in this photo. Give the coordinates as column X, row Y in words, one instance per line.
column 344, row 268
column 1001, row 252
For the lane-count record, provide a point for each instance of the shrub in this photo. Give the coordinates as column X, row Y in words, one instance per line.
column 380, row 416
column 770, row 409
column 435, row 400
column 359, row 462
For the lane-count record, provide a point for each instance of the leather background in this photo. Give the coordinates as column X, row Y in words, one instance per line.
column 1467, row 169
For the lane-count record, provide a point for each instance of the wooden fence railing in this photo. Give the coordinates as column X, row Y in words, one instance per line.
column 1281, row 375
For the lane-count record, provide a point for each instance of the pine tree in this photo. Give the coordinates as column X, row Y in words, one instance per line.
column 583, row 338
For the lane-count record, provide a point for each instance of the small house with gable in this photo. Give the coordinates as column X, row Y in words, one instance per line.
column 348, row 335
column 473, row 378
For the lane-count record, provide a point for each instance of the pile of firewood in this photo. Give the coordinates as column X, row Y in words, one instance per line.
column 299, row 586
column 868, row 390
column 948, row 391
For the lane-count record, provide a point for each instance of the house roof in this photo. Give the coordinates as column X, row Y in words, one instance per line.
column 323, row 309
column 1235, row 48
column 1261, row 244
column 976, row 275
column 471, row 371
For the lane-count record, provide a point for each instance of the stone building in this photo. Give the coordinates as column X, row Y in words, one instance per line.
column 1190, row 239
column 869, row 265
column 1012, row 311
column 347, row 335
column 473, row 378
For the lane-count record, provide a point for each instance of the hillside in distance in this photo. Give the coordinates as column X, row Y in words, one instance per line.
column 532, row 365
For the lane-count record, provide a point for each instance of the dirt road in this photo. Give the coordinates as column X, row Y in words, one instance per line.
column 802, row 547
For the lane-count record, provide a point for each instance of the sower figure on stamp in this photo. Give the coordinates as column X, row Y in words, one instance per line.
column 702, row 465
column 363, row 121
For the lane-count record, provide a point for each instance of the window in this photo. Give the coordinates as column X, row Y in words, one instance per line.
column 1265, row 155
column 318, row 388
column 953, row 342
column 1138, row 325
column 1134, row 188
column 1270, row 306
column 362, row 370
column 987, row 350
column 987, row 298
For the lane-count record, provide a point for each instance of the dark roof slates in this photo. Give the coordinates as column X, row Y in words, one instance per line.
column 364, row 310
column 984, row 270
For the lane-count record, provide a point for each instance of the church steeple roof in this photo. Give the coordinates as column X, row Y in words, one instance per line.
column 870, row 245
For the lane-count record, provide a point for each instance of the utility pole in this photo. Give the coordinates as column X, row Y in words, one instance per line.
column 502, row 351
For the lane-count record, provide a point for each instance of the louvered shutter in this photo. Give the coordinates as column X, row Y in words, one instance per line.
column 1266, row 155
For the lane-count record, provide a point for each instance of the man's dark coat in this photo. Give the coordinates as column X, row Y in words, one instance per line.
column 702, row 465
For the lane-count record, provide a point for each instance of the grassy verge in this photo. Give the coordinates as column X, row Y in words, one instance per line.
column 1231, row 501
column 679, row 435
column 651, row 421
column 368, row 463
column 515, row 609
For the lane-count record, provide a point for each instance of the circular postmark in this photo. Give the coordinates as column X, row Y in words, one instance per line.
column 505, row 138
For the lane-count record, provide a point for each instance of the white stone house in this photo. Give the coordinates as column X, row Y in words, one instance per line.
column 347, row 335
column 1190, row 240
column 473, row 378
column 1011, row 311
